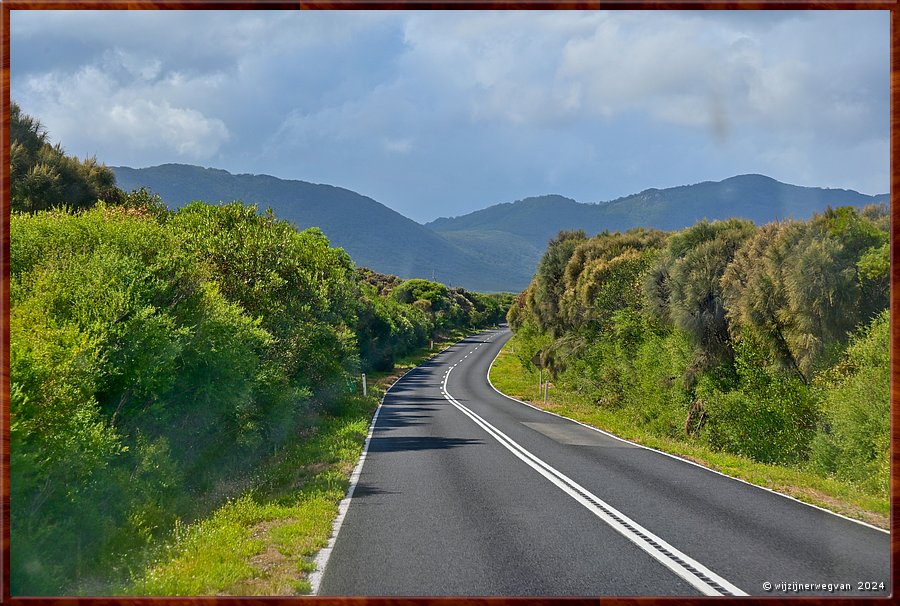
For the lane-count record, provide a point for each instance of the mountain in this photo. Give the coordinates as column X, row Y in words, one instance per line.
column 756, row 197
column 374, row 235
column 493, row 249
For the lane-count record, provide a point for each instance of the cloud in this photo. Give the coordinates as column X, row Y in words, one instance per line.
column 132, row 109
column 146, row 123
column 431, row 110
column 715, row 73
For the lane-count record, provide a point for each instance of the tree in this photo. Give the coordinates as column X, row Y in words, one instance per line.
column 543, row 298
column 42, row 176
column 604, row 275
column 684, row 290
column 800, row 288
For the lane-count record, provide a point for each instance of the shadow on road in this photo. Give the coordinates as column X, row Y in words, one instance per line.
column 394, row 421
column 401, row 444
column 366, row 490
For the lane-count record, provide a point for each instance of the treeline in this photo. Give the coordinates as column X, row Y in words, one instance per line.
column 396, row 317
column 770, row 342
column 157, row 357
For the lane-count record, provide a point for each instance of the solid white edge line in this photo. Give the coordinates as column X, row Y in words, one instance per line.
column 321, row 559
column 570, row 487
column 315, row 578
column 676, row 457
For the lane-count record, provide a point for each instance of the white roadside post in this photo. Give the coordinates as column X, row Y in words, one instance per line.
column 365, row 392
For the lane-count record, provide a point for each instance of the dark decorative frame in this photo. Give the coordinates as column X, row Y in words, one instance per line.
column 8, row 5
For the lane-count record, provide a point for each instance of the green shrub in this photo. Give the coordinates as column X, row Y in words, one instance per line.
column 853, row 440
column 658, row 397
column 125, row 367
column 770, row 416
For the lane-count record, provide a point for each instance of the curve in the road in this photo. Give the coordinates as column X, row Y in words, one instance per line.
column 699, row 576
column 677, row 458
column 445, row 506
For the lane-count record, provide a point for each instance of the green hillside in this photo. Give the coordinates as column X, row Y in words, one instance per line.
column 756, row 197
column 493, row 249
column 374, row 235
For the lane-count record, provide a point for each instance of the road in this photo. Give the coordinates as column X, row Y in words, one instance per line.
column 464, row 491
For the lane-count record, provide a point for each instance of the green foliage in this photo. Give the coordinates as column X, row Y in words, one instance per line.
column 800, row 288
column 387, row 329
column 684, row 290
column 451, row 308
column 853, row 440
column 121, row 348
column 548, row 285
column 640, row 379
column 727, row 335
column 42, row 176
column 603, row 284
column 769, row 416
column 530, row 341
column 299, row 288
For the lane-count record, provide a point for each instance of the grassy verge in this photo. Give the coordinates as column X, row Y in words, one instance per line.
column 508, row 375
column 263, row 542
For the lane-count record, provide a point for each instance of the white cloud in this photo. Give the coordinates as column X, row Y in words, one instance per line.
column 715, row 72
column 150, row 124
column 524, row 101
column 131, row 108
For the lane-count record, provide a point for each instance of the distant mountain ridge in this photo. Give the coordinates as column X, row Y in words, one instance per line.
column 755, row 197
column 374, row 235
column 492, row 249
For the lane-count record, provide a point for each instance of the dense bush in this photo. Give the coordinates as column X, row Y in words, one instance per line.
column 388, row 329
column 769, row 416
column 853, row 441
column 156, row 356
column 800, row 287
column 728, row 334
column 397, row 316
column 42, row 176
column 112, row 324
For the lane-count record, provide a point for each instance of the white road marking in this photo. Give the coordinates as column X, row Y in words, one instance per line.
column 700, row 577
column 677, row 458
column 321, row 560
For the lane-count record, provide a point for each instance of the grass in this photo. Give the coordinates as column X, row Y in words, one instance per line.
column 263, row 542
column 508, row 375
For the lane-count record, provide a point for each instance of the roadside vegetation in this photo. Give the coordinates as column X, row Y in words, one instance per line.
column 761, row 351
column 183, row 381
column 265, row 541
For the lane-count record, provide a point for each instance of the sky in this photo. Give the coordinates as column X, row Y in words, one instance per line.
column 443, row 113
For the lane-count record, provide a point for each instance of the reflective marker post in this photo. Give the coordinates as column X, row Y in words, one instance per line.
column 364, row 384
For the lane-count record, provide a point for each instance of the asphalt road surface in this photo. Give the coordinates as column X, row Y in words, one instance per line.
column 467, row 492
